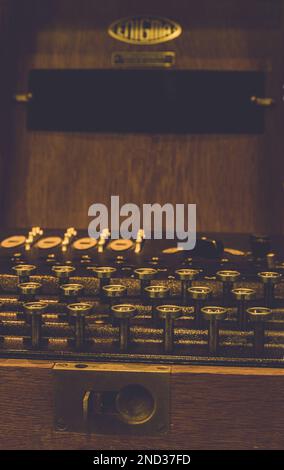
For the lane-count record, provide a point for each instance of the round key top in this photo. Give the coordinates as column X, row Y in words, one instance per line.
column 34, row 312
column 79, row 308
column 157, row 292
column 71, row 292
column 123, row 313
column 269, row 280
column 24, row 271
column 114, row 290
column 113, row 293
column 169, row 313
column 270, row 277
column 104, row 272
column 77, row 314
column 213, row 315
column 28, row 290
column 228, row 276
column 187, row 274
column 63, row 272
column 154, row 294
column 72, row 289
column 145, row 274
column 243, row 295
column 35, row 308
column 258, row 316
column 199, row 292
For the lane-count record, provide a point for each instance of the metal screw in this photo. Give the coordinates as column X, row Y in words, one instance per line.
column 242, row 295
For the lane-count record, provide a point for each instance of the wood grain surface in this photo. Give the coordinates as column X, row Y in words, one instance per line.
column 211, row 408
column 52, row 178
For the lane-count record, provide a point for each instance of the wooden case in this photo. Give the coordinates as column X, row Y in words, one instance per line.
column 51, row 178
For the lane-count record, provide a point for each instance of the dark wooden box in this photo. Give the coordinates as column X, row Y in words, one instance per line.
column 51, row 178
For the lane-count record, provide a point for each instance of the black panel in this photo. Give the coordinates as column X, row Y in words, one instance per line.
column 155, row 101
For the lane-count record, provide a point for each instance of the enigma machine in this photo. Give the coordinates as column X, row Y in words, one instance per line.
column 115, row 343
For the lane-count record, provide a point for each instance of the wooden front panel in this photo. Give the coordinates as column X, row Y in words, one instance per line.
column 211, row 408
column 52, row 178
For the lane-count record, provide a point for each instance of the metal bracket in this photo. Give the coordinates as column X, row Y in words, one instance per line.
column 263, row 102
column 23, row 98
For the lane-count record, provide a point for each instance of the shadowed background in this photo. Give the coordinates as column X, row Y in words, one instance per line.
column 51, row 178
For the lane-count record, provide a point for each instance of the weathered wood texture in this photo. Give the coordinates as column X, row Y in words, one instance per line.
column 52, row 178
column 211, row 408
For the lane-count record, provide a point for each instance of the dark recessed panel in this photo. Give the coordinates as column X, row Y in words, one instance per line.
column 155, row 101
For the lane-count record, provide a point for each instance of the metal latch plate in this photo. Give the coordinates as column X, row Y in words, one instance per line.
column 112, row 398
